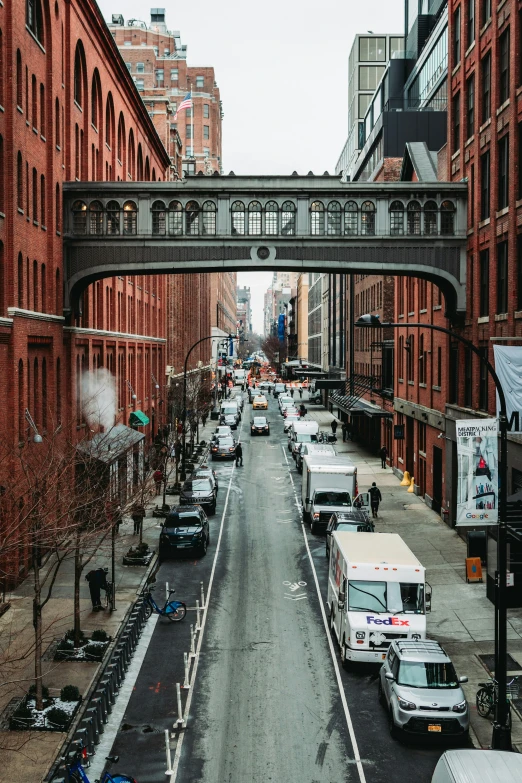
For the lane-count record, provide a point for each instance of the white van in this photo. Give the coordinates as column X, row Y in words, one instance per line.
column 302, row 432
column 321, row 472
column 369, row 577
column 478, row 766
column 239, row 377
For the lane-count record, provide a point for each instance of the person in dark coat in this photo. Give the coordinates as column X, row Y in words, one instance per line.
column 375, row 498
column 158, row 478
column 344, row 428
column 97, row 580
column 383, row 453
column 334, row 426
column 239, row 454
column 138, row 512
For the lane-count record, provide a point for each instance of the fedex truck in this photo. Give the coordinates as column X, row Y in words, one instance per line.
column 377, row 592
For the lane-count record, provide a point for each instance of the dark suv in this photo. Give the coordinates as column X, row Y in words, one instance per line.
column 185, row 528
column 199, row 491
column 354, row 521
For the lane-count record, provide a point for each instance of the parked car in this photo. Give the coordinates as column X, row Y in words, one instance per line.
column 290, row 417
column 284, row 399
column 419, row 687
column 353, row 521
column 198, row 491
column 260, row 402
column 185, row 528
column 230, row 420
column 290, row 411
column 224, row 448
column 223, row 431
column 205, row 472
column 260, row 426
column 279, row 388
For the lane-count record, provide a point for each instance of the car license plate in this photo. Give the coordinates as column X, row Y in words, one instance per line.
column 435, row 727
column 184, row 545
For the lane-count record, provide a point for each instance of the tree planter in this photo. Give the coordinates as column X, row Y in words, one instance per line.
column 90, row 650
column 139, row 556
column 161, row 511
column 57, row 715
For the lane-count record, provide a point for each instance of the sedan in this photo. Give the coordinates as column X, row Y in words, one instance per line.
column 289, row 420
column 290, row 411
column 205, row 472
column 260, row 402
column 221, row 432
column 259, row 426
column 198, row 492
column 185, row 528
column 225, row 448
column 230, row 420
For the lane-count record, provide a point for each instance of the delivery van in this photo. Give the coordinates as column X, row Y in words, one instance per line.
column 302, row 432
column 324, row 472
column 377, row 592
column 239, row 377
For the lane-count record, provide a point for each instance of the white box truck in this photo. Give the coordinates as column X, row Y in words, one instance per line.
column 329, row 484
column 377, row 592
column 239, row 377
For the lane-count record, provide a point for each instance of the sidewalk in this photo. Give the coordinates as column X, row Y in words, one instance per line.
column 28, row 756
column 462, row 618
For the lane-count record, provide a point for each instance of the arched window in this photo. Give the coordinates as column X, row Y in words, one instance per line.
column 79, row 217
column 42, row 111
column 271, row 218
column 2, row 181
column 109, row 121
column 413, row 218
column 175, row 218
column 113, row 218
column 447, row 218
column 130, row 218
column 57, row 122
column 58, row 294
column 78, row 77
column 147, row 169
column 368, row 218
column 238, row 217
column 192, row 218
column 58, row 390
column 95, row 217
column 350, row 218
column 333, row 219
column 159, row 218
column 19, row 84
column 20, row 280
column 317, row 219
column 140, row 164
column 254, row 218
column 209, row 218
column 430, row 218
column 396, row 218
column 58, row 209
column 42, row 201
column 35, row 286
column 21, row 402
column 43, row 285
column 153, row 174
column 34, row 19
column 131, row 165
column 19, row 181
column 288, row 218
column 1, row 68
column 121, row 140
column 95, row 99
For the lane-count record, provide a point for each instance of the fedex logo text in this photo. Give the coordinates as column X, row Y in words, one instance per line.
column 371, row 620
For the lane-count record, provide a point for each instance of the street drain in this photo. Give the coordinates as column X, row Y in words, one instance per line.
column 261, row 645
column 146, row 729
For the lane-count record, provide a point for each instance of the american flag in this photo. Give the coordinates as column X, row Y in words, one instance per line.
column 186, row 103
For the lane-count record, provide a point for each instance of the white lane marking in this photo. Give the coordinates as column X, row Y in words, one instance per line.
column 98, row 759
column 295, row 597
column 342, row 694
column 186, row 711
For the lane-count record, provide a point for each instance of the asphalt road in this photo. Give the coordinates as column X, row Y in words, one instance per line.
column 269, row 701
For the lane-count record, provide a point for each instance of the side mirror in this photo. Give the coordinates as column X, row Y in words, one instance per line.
column 463, row 679
column 389, row 676
column 342, row 599
column 428, row 598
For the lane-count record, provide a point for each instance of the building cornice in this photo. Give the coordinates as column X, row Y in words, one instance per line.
column 114, row 335
column 18, row 312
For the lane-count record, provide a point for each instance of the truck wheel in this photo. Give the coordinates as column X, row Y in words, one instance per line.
column 344, row 660
column 394, row 732
column 314, row 528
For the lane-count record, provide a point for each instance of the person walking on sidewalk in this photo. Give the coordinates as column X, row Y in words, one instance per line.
column 158, row 478
column 239, row 454
column 383, row 453
column 344, row 428
column 334, row 426
column 204, row 418
column 97, row 580
column 138, row 512
column 375, row 498
column 301, row 392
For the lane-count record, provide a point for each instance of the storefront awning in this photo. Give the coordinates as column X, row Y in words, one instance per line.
column 138, row 419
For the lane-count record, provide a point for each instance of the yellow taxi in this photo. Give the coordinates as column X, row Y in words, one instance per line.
column 260, row 403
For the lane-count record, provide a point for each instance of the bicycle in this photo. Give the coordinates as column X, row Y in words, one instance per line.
column 487, row 697
column 174, row 610
column 76, row 771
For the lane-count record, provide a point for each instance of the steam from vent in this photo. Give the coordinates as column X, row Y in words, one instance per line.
column 99, row 398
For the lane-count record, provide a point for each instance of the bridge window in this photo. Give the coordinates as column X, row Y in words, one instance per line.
column 254, row 218
column 113, row 218
column 271, row 218
column 95, row 217
column 288, row 218
column 159, row 218
column 413, row 218
column 317, row 219
column 79, row 217
column 430, row 218
column 334, row 219
column 209, row 218
column 368, row 218
column 238, row 217
column 396, row 218
column 130, row 218
column 447, row 217
column 175, row 218
column 350, row 218
column 192, row 218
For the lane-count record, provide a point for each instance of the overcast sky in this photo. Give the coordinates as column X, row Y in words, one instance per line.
column 282, row 69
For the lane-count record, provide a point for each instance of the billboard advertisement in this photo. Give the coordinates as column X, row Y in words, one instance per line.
column 508, row 366
column 477, row 483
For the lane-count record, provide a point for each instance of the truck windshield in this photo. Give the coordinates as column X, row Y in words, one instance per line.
column 417, row 674
column 393, row 597
column 332, row 498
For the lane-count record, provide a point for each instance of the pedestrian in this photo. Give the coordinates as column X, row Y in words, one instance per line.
column 301, row 392
column 138, row 512
column 334, row 426
column 383, row 453
column 158, row 478
column 375, row 498
column 292, row 392
column 204, row 418
column 344, row 428
column 239, row 454
column 177, row 450
column 97, row 580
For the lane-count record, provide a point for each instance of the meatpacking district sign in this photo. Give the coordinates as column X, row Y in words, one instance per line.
column 477, row 483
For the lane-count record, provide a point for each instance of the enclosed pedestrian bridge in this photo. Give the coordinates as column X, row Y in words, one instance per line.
column 303, row 224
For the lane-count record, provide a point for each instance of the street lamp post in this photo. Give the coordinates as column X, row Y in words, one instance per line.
column 501, row 739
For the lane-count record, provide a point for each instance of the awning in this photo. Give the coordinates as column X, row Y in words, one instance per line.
column 360, row 408
column 138, row 419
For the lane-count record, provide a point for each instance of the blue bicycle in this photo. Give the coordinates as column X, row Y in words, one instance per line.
column 174, row 610
column 77, row 774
